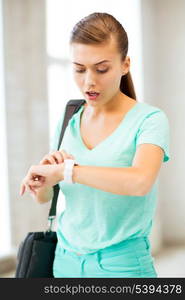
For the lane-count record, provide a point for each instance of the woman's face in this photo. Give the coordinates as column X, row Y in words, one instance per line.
column 98, row 69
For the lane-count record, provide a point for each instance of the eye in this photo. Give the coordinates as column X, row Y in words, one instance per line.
column 79, row 71
column 99, row 71
column 102, row 71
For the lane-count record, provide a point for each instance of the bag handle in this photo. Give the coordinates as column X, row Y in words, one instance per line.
column 71, row 108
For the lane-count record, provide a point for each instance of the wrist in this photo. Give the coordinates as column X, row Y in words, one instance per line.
column 60, row 172
column 75, row 173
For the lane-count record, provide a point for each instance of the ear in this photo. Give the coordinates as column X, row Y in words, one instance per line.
column 126, row 65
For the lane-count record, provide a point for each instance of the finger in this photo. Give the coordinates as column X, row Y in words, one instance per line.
column 32, row 191
column 58, row 157
column 65, row 154
column 27, row 185
column 35, row 184
column 45, row 162
column 27, row 189
column 48, row 159
column 22, row 189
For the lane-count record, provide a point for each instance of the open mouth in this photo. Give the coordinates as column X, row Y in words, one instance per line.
column 92, row 95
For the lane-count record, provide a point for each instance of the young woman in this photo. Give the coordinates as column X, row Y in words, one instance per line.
column 119, row 145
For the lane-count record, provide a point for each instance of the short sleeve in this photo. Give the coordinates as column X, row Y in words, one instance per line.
column 155, row 130
column 55, row 138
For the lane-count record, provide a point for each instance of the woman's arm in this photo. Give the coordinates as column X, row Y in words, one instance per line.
column 122, row 181
column 136, row 180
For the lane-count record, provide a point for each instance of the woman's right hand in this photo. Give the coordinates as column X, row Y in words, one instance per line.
column 55, row 157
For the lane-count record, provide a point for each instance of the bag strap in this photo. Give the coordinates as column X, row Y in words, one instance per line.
column 72, row 107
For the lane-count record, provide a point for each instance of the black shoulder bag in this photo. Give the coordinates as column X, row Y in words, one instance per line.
column 36, row 252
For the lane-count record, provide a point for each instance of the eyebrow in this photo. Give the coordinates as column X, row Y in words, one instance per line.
column 103, row 61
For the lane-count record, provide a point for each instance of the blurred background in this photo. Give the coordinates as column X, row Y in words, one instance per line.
column 36, row 82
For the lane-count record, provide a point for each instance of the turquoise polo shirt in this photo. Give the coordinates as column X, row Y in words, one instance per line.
column 94, row 219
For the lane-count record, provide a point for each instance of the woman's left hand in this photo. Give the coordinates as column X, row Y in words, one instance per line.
column 43, row 175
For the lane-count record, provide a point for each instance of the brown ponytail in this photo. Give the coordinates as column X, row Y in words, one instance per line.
column 99, row 28
column 126, row 86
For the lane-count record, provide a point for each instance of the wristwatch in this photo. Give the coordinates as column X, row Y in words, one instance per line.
column 68, row 170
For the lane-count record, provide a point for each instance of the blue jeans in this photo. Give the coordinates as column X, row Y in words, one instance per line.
column 130, row 258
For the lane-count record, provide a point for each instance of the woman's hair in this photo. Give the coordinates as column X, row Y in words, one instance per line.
column 99, row 28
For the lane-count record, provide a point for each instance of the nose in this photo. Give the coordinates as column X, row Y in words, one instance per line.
column 90, row 79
